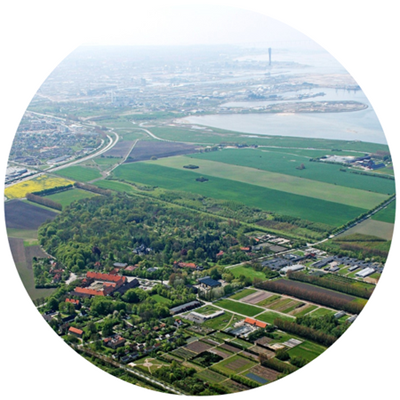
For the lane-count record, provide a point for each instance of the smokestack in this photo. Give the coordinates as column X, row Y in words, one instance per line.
column 269, row 54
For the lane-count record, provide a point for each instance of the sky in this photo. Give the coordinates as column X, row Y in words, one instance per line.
column 36, row 35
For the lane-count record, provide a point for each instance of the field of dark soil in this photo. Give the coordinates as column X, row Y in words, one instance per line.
column 20, row 215
column 119, row 150
column 145, row 150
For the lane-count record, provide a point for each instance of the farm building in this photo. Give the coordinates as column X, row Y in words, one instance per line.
column 185, row 307
column 254, row 322
column 365, row 272
column 207, row 282
column 293, row 268
column 339, row 314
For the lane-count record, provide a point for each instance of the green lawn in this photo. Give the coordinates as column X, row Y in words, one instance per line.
column 107, row 160
column 242, row 293
column 207, row 310
column 222, row 322
column 66, row 197
column 114, row 185
column 316, row 210
column 248, row 272
column 347, row 195
column 321, row 312
column 161, row 299
column 80, row 174
column 244, row 309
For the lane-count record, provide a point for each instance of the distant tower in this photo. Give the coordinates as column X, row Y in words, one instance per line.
column 269, row 54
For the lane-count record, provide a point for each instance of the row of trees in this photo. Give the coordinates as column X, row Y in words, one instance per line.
column 316, row 296
column 44, row 201
column 326, row 282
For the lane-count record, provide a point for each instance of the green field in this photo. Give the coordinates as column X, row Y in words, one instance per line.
column 387, row 214
column 248, row 272
column 161, row 299
column 316, row 210
column 80, row 174
column 270, row 316
column 108, row 161
column 222, row 322
column 282, row 182
column 305, row 310
column 307, row 350
column 114, row 185
column 210, row 376
column 320, row 312
column 66, row 197
column 373, row 227
column 234, row 365
column 285, row 162
column 269, row 300
column 242, row 293
column 185, row 134
column 207, row 310
column 244, row 309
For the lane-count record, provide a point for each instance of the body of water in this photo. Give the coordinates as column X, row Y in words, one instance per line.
column 356, row 125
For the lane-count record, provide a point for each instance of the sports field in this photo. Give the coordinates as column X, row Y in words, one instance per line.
column 279, row 181
column 80, row 174
column 328, row 212
column 285, row 162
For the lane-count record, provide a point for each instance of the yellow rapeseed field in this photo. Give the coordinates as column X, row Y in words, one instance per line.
column 20, row 190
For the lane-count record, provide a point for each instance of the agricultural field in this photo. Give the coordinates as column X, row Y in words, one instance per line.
column 234, row 365
column 301, row 311
column 198, row 347
column 239, row 308
column 120, row 150
column 321, row 311
column 387, row 214
column 80, row 174
column 256, row 298
column 285, row 162
column 380, row 229
column 317, row 210
column 307, row 350
column 216, row 135
column 42, row 182
column 114, row 185
column 222, row 322
column 210, row 376
column 270, row 299
column 270, row 316
column 257, row 372
column 21, row 215
column 145, row 150
column 242, row 293
column 66, row 197
column 300, row 186
column 285, row 305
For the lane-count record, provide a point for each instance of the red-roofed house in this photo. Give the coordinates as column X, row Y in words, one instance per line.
column 75, row 331
column 220, row 254
column 254, row 322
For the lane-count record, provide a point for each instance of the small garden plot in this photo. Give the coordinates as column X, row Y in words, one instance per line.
column 285, row 305
column 256, row 378
column 242, row 343
column 199, row 329
column 242, row 293
column 212, row 342
column 270, row 316
column 255, row 298
column 198, row 347
column 235, row 365
column 231, row 349
column 183, row 353
column 222, row 336
column 307, row 350
column 223, row 354
column 210, row 376
column 301, row 311
column 234, row 387
column 240, row 308
column 250, row 355
column 265, row 373
column 269, row 300
column 207, row 359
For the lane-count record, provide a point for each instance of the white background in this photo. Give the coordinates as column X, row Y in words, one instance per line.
column 37, row 35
